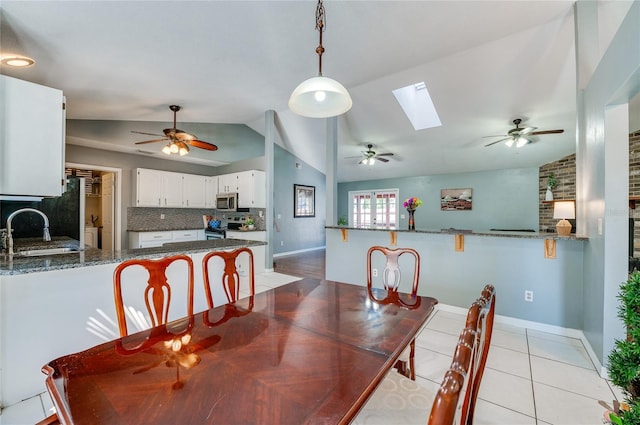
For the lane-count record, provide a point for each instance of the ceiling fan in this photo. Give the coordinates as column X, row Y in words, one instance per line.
column 370, row 156
column 519, row 135
column 178, row 140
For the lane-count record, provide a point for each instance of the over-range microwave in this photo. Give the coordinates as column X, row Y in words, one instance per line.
column 227, row 201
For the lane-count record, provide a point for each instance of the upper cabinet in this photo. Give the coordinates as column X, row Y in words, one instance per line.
column 194, row 191
column 228, row 183
column 251, row 189
column 155, row 188
column 210, row 191
column 32, row 126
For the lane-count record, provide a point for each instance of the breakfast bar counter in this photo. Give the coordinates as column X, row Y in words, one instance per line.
column 17, row 264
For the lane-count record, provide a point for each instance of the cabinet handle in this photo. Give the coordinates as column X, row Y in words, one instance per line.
column 159, row 202
column 165, row 201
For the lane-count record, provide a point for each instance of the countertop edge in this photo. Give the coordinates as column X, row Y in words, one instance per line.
column 496, row 234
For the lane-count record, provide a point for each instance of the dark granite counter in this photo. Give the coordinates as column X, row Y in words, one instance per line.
column 15, row 264
column 492, row 233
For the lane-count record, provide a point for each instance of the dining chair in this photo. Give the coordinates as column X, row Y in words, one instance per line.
column 230, row 279
column 391, row 278
column 158, row 291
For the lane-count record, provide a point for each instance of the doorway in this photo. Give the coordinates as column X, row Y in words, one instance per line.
column 102, row 204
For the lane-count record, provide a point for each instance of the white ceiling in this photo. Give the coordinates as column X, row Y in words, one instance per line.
column 484, row 63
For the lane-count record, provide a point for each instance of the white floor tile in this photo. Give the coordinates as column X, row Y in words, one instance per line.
column 562, row 352
column 509, row 361
column 26, row 412
column 491, row 414
column 570, row 378
column 561, row 407
column 431, row 365
column 437, row 341
column 510, row 340
column 509, row 328
column 617, row 391
column 47, row 404
column 506, row 390
column 446, row 322
column 553, row 337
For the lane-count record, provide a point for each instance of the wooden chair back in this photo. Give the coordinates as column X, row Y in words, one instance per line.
column 157, row 294
column 480, row 319
column 391, row 274
column 456, row 381
column 467, row 367
column 230, row 276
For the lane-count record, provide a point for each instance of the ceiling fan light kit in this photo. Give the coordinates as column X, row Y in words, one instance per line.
column 370, row 156
column 320, row 97
column 518, row 135
column 179, row 140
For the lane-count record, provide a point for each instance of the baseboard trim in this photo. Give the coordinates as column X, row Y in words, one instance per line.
column 542, row 327
column 299, row 251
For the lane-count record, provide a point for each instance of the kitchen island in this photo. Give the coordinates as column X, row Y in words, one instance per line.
column 59, row 304
column 457, row 263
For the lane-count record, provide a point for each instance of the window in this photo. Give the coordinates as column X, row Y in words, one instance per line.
column 373, row 208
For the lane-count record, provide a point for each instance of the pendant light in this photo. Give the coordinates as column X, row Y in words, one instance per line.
column 320, row 97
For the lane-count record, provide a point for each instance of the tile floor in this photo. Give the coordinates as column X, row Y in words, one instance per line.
column 532, row 377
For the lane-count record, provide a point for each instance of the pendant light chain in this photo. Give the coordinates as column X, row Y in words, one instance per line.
column 320, row 20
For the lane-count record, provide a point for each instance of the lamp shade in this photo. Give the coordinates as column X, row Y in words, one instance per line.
column 320, row 97
column 564, row 210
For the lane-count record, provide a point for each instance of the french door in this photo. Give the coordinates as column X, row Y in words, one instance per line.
column 378, row 208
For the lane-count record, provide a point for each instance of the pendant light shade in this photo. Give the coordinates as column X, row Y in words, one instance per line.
column 320, row 97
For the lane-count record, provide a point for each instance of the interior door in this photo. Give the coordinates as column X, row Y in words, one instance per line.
column 108, row 180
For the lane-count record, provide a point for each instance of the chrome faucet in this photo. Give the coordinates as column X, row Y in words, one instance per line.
column 45, row 236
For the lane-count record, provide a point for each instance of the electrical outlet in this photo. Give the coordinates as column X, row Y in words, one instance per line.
column 161, row 216
column 374, row 272
column 528, row 296
column 281, row 243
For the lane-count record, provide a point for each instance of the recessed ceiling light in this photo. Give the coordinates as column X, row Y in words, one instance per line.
column 17, row 61
column 418, row 106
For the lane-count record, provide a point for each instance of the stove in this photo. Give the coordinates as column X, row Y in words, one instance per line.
column 216, row 233
column 235, row 222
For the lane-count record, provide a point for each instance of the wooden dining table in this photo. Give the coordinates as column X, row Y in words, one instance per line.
column 311, row 351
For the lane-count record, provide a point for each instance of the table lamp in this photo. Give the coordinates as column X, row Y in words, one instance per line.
column 564, row 210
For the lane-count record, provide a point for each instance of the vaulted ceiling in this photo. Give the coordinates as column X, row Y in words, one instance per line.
column 484, row 63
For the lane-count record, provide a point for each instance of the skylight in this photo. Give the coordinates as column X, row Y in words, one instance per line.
column 418, row 106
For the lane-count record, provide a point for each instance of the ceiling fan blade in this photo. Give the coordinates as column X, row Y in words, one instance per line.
column 527, row 130
column 151, row 141
column 362, row 161
column 184, row 136
column 535, row 133
column 148, row 134
column 497, row 135
column 202, row 145
column 382, row 159
column 385, row 154
column 351, row 157
column 497, row 141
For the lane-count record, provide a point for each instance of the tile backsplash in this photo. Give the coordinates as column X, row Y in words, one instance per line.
column 149, row 219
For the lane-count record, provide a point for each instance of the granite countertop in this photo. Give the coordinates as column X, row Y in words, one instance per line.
column 12, row 265
column 493, row 233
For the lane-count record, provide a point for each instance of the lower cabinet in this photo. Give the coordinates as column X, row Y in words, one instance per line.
column 256, row 235
column 156, row 239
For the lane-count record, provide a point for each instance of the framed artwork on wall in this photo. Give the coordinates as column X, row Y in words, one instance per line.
column 455, row 199
column 304, row 201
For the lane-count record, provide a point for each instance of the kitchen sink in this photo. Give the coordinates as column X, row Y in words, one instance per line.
column 47, row 251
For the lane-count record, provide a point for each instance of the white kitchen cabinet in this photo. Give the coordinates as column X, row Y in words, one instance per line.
column 32, row 126
column 159, row 238
column 155, row 188
column 149, row 239
column 228, row 183
column 251, row 189
column 173, row 189
column 210, row 191
column 193, row 191
column 187, row 235
column 256, row 235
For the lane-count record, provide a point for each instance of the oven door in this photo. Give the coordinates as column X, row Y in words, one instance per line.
column 213, row 235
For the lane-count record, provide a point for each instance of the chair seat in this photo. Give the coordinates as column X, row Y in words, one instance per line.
column 397, row 400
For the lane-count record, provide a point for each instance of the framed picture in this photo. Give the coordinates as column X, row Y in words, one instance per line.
column 304, row 201
column 455, row 199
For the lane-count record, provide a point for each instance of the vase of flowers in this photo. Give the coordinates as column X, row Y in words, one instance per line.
column 411, row 205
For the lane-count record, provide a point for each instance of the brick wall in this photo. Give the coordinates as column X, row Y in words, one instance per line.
column 634, row 185
column 564, row 171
